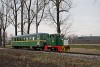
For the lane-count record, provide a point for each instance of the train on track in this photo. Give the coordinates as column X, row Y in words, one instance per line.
column 41, row 41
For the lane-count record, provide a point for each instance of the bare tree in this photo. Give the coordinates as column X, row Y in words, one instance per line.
column 14, row 5
column 28, row 7
column 40, row 7
column 60, row 6
column 4, row 19
column 15, row 10
column 35, row 13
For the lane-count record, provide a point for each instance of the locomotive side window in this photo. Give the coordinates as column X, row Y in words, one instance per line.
column 52, row 38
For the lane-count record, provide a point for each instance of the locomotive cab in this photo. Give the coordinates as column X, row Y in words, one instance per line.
column 57, row 43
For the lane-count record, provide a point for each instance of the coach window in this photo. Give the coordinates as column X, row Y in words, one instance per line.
column 33, row 38
column 26, row 38
column 22, row 39
column 30, row 38
column 19, row 39
column 14, row 39
column 38, row 37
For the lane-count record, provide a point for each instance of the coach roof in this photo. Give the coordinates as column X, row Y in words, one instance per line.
column 30, row 34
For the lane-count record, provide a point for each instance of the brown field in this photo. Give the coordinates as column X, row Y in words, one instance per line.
column 25, row 58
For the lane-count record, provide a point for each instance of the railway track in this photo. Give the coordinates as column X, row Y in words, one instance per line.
column 73, row 54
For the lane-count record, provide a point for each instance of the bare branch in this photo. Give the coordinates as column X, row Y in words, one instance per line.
column 52, row 16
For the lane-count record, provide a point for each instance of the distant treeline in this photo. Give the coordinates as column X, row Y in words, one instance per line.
column 85, row 40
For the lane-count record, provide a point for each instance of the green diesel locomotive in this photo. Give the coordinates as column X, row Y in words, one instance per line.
column 41, row 41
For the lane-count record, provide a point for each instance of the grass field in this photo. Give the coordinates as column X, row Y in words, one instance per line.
column 24, row 58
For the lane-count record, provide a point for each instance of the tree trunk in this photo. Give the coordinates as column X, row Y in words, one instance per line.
column 37, row 17
column 0, row 38
column 3, row 37
column 22, row 18
column 15, row 16
column 15, row 23
column 36, row 28
column 58, row 23
column 28, row 31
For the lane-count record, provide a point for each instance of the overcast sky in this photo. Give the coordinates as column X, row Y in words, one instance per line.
column 85, row 16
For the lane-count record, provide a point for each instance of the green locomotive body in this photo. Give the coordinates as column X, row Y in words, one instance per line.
column 42, row 41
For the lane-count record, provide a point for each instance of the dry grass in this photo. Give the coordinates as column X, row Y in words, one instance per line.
column 84, row 50
column 24, row 58
column 87, row 46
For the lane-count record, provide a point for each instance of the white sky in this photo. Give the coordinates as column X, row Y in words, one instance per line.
column 85, row 16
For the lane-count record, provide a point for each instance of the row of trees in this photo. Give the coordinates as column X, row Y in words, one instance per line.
column 24, row 13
